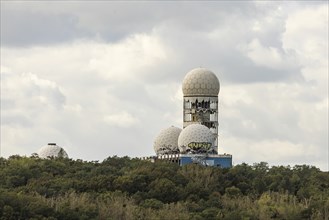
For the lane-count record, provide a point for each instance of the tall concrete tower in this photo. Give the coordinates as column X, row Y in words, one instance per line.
column 200, row 90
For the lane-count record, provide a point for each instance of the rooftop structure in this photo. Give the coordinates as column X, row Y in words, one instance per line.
column 196, row 138
column 200, row 82
column 167, row 141
column 52, row 150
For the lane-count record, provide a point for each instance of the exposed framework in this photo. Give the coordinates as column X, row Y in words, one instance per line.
column 202, row 110
column 200, row 104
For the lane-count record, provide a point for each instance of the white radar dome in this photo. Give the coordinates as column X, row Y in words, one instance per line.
column 52, row 150
column 195, row 138
column 200, row 82
column 167, row 141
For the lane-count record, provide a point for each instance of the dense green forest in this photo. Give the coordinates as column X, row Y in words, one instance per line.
column 124, row 188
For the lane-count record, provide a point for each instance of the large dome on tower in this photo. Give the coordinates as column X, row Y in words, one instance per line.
column 195, row 138
column 52, row 150
column 200, row 82
column 167, row 141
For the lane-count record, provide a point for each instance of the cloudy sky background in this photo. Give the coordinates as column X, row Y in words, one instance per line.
column 103, row 78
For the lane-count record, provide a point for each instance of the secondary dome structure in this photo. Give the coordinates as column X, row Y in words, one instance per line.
column 167, row 141
column 52, row 150
column 196, row 138
column 200, row 82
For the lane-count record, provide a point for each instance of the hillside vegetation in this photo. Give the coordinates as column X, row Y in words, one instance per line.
column 124, row 188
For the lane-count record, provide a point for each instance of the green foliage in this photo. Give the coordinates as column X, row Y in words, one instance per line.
column 152, row 203
column 233, row 191
column 124, row 188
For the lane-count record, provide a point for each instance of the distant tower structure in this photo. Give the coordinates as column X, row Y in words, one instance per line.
column 198, row 141
column 200, row 106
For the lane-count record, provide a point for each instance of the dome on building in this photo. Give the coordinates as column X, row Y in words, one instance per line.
column 167, row 141
column 200, row 82
column 195, row 138
column 52, row 150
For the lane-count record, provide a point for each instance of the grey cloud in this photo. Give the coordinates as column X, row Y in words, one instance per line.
column 268, row 125
column 27, row 23
column 218, row 47
column 221, row 57
column 242, row 70
column 137, row 99
column 26, row 95
column 31, row 28
column 276, row 119
column 7, row 103
column 12, row 119
column 31, row 23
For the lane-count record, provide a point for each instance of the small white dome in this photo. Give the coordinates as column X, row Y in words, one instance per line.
column 52, row 150
column 167, row 141
column 200, row 82
column 195, row 138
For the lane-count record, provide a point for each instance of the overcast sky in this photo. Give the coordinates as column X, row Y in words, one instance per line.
column 103, row 78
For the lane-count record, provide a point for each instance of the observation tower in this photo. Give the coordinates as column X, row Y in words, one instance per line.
column 200, row 90
column 197, row 142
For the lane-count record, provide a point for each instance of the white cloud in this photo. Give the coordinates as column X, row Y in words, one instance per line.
column 275, row 152
column 307, row 35
column 5, row 70
column 127, row 59
column 122, row 61
column 307, row 32
column 269, row 56
column 122, row 119
column 26, row 90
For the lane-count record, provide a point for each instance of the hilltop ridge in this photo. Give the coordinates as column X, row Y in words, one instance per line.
column 125, row 188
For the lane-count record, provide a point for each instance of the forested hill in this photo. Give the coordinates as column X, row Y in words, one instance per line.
column 124, row 188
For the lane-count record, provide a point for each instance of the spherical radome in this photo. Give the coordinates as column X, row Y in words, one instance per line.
column 200, row 82
column 167, row 141
column 52, row 150
column 195, row 138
